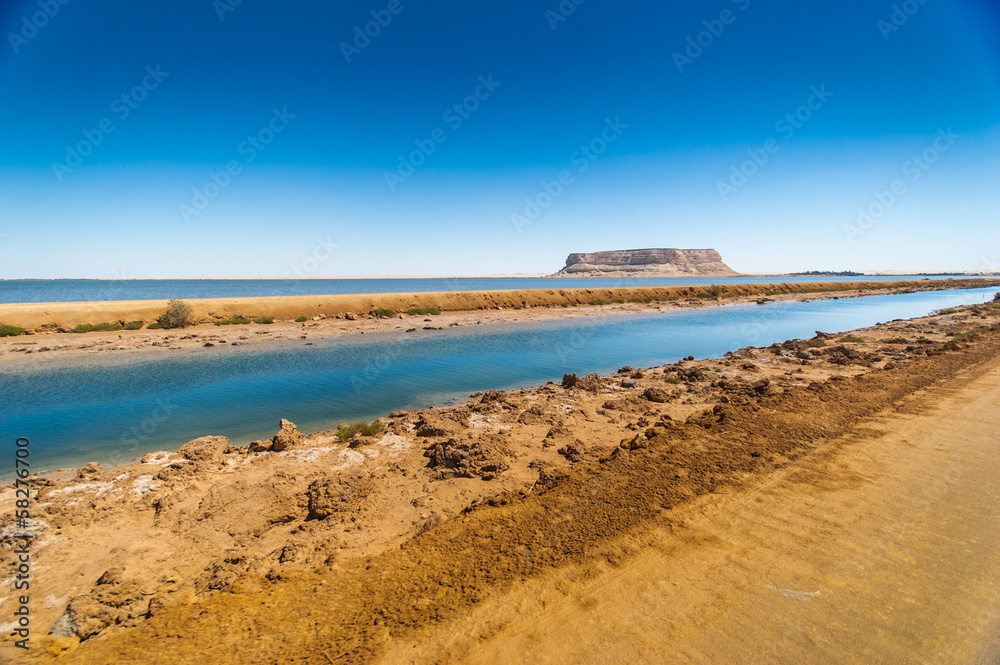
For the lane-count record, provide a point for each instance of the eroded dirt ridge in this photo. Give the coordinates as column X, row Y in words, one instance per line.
column 201, row 549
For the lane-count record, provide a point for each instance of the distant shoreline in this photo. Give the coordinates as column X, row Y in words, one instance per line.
column 881, row 273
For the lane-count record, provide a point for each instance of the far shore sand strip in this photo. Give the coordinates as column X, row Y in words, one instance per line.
column 65, row 315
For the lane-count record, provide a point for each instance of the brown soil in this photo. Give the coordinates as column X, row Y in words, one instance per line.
column 324, row 553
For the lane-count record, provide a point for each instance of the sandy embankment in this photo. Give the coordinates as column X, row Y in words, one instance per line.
column 330, row 316
column 208, row 310
column 323, row 551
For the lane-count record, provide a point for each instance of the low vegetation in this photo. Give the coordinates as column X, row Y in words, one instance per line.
column 854, row 339
column 967, row 334
column 385, row 313
column 134, row 325
column 346, row 432
column 816, row 343
column 236, row 320
column 265, row 319
column 178, row 315
column 10, row 331
column 98, row 327
column 414, row 311
column 598, row 302
column 301, row 319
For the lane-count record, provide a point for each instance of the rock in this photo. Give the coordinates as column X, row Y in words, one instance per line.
column 590, row 383
column 647, row 263
column 205, row 449
column 629, row 383
column 658, row 395
column 330, row 496
column 111, row 576
column 90, row 470
column 288, row 435
column 627, row 369
column 259, row 446
column 63, row 627
column 471, row 456
column 350, row 317
column 570, row 380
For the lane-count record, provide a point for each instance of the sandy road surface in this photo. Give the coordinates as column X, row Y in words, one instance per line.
column 886, row 551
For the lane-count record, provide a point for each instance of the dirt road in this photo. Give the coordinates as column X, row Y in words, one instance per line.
column 886, row 551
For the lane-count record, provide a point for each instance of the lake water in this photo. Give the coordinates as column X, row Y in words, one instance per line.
column 114, row 409
column 77, row 290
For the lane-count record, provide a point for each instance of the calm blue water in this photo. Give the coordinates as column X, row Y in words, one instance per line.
column 115, row 409
column 74, row 290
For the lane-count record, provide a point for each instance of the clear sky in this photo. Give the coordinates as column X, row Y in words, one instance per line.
column 226, row 138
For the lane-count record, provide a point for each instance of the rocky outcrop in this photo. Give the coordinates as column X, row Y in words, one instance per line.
column 647, row 263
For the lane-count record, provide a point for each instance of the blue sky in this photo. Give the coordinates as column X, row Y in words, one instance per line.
column 246, row 138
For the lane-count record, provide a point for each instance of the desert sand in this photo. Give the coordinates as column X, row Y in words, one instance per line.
column 824, row 500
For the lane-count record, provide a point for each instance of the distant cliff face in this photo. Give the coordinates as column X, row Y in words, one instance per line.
column 647, row 263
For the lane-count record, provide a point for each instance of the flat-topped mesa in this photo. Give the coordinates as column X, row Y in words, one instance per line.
column 647, row 263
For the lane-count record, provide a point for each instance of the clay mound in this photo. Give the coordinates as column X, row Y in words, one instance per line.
column 471, row 456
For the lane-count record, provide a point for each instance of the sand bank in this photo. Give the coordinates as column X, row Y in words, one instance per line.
column 69, row 314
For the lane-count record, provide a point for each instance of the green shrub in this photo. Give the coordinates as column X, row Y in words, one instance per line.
column 10, row 331
column 618, row 302
column 345, row 432
column 414, row 311
column 598, row 302
column 233, row 321
column 672, row 379
column 154, row 326
column 816, row 343
column 385, row 313
column 264, row 319
column 178, row 315
column 134, row 325
column 996, row 297
column 301, row 319
column 852, row 338
column 97, row 327
column 968, row 334
column 716, row 290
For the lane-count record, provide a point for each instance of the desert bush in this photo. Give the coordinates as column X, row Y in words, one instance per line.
column 852, row 338
column 345, row 432
column 383, row 312
column 10, row 331
column 301, row 319
column 264, row 319
column 413, row 311
column 134, row 325
column 236, row 320
column 178, row 315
